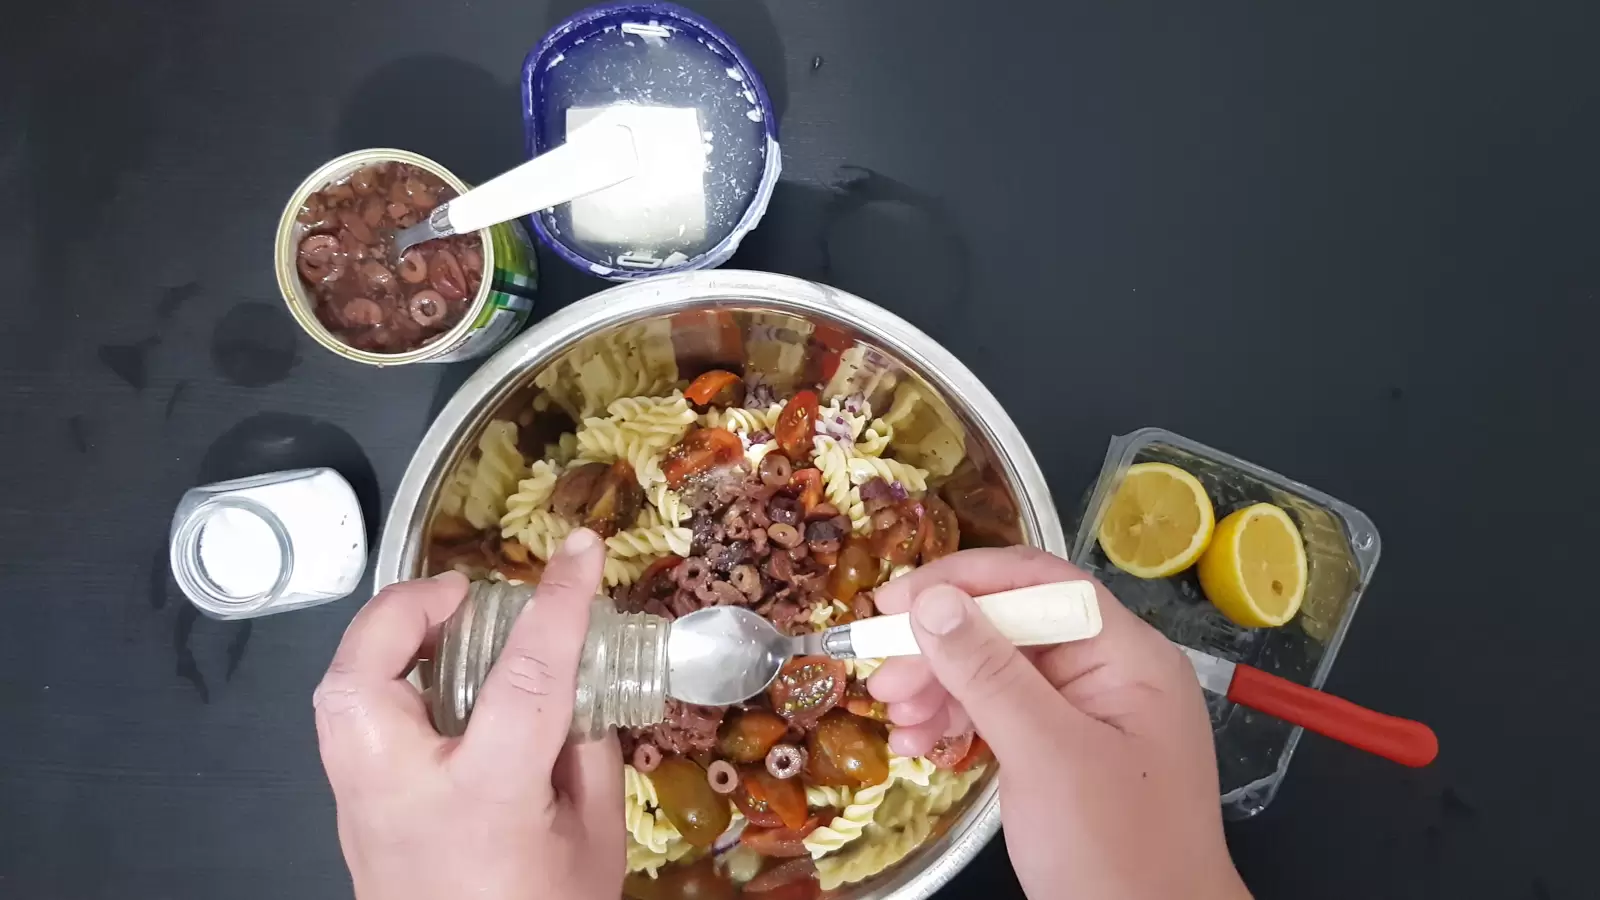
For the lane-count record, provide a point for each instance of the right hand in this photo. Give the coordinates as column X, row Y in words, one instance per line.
column 1109, row 776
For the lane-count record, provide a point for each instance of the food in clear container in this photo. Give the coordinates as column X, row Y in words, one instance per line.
column 1341, row 547
column 1255, row 569
column 364, row 297
column 724, row 491
column 1159, row 521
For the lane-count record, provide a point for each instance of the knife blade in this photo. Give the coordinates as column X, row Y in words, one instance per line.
column 1404, row 741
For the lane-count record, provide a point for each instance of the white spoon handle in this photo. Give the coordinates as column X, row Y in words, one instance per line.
column 594, row 157
column 1042, row 614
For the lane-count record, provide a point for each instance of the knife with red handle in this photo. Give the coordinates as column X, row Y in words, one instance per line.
column 1401, row 740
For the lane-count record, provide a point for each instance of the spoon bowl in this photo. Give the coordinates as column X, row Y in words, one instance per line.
column 723, row 655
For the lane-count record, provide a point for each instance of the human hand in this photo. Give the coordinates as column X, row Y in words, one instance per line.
column 1108, row 785
column 509, row 809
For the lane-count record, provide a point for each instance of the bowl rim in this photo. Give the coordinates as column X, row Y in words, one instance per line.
column 399, row 551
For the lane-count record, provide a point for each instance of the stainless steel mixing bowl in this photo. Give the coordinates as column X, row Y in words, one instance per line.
column 783, row 327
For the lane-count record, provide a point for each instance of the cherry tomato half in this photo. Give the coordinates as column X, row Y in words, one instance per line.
column 769, row 801
column 747, row 736
column 941, row 534
column 784, row 842
column 808, row 686
column 950, row 751
column 614, row 500
column 847, row 751
column 699, row 813
column 808, row 484
column 985, row 509
column 796, row 424
column 703, row 450
column 861, row 703
column 658, row 568
column 855, row 571
column 899, row 541
column 979, row 753
column 718, row 387
column 570, row 496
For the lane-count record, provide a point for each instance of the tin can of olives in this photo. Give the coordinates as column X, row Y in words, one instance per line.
column 495, row 313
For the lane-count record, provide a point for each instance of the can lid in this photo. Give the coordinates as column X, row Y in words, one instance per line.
column 705, row 127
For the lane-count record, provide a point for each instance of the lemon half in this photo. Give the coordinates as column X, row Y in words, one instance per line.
column 1255, row 569
column 1159, row 522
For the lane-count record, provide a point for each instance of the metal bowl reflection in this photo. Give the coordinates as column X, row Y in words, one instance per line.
column 794, row 332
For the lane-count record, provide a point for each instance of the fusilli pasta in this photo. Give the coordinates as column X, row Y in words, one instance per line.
column 862, row 667
column 499, row 467
column 668, row 504
column 819, row 796
column 820, row 615
column 625, row 571
column 645, row 823
column 637, row 360
column 533, row 494
column 946, row 788
column 911, row 769
column 543, row 533
column 642, row 859
column 882, row 849
column 564, row 450
column 755, row 453
column 742, row 421
column 835, row 418
column 866, row 468
column 654, row 415
column 453, row 496
column 848, row 824
column 835, row 463
column 605, row 440
column 647, row 541
column 875, row 440
column 927, row 432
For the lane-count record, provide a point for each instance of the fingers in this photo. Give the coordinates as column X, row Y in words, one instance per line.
column 916, row 740
column 524, row 710
column 589, row 777
column 363, row 708
column 921, row 706
column 999, row 687
column 900, row 678
column 978, row 572
column 382, row 640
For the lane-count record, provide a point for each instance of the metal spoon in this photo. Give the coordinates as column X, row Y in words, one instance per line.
column 600, row 154
column 728, row 654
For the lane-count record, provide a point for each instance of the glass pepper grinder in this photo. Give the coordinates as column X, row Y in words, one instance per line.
column 622, row 675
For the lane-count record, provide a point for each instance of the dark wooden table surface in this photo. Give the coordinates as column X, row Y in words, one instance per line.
column 1355, row 242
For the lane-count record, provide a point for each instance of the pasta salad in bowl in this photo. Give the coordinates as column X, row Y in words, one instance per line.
column 749, row 439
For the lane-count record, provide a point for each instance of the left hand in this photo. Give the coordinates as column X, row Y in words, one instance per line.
column 509, row 810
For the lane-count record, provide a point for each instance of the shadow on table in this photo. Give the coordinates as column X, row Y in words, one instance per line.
column 446, row 109
column 873, row 236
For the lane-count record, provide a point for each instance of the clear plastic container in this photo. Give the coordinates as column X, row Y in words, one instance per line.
column 1253, row 749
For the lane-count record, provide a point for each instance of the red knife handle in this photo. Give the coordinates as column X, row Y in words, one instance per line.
column 1401, row 740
